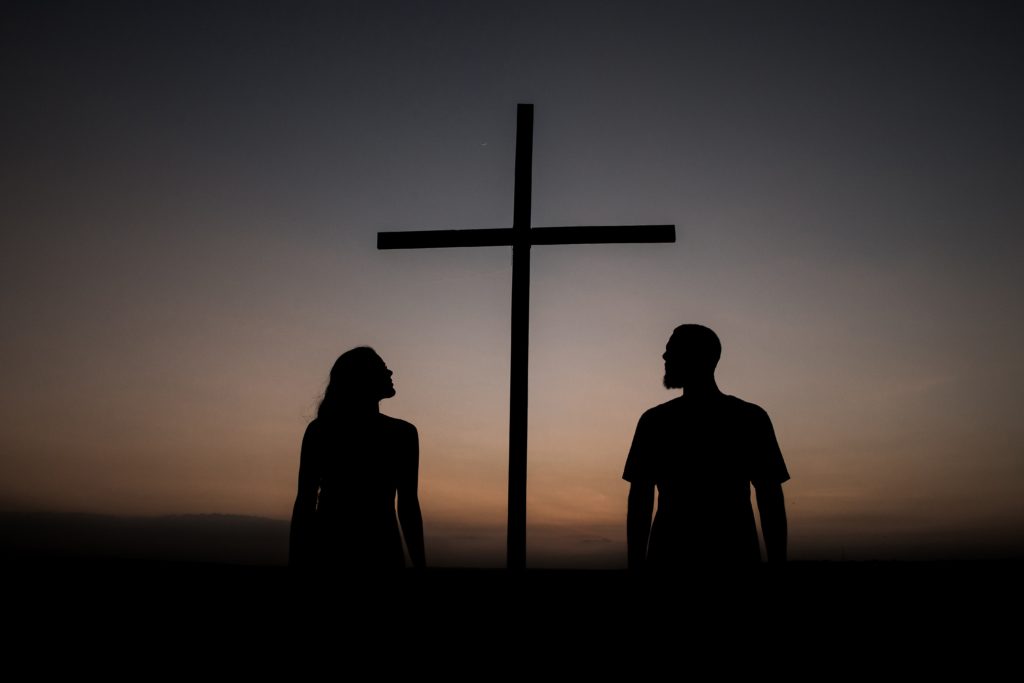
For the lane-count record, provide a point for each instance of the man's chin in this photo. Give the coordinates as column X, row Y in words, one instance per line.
column 671, row 383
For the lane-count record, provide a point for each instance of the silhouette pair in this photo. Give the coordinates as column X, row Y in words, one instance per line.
column 700, row 452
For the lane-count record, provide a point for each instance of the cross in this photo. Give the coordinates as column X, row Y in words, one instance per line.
column 521, row 237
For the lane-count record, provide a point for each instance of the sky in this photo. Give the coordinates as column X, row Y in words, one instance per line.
column 192, row 193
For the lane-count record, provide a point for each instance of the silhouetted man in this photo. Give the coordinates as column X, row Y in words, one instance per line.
column 702, row 451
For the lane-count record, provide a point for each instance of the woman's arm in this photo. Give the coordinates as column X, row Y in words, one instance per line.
column 301, row 540
column 409, row 515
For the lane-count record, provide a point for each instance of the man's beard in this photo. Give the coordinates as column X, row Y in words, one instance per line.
column 671, row 382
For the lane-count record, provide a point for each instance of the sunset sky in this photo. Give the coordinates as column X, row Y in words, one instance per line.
column 192, row 191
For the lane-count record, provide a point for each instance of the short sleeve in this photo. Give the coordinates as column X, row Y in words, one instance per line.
column 638, row 462
column 767, row 463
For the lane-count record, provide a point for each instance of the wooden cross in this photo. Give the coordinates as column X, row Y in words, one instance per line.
column 521, row 237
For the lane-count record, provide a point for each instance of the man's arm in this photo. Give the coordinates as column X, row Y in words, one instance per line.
column 638, row 522
column 772, row 506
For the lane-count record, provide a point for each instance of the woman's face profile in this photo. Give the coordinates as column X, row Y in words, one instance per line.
column 385, row 383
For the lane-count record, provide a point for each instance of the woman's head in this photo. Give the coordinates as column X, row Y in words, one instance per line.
column 359, row 377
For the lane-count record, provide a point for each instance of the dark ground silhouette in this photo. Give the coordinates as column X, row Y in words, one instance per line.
column 163, row 610
column 54, row 538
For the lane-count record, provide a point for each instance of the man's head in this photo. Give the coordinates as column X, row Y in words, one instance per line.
column 691, row 356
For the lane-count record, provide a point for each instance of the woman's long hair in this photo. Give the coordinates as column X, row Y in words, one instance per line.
column 354, row 376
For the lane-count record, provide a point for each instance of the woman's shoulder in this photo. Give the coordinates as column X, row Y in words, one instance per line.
column 396, row 425
column 320, row 430
column 315, row 430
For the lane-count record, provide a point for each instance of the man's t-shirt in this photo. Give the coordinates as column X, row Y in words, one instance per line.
column 702, row 454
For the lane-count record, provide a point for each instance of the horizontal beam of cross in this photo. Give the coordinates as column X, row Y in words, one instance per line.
column 583, row 234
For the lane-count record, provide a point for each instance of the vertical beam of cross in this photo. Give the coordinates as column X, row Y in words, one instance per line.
column 519, row 370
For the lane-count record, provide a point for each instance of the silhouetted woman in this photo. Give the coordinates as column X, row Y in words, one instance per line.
column 354, row 462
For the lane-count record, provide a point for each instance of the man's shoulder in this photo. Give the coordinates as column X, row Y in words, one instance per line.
column 746, row 407
column 663, row 410
column 731, row 406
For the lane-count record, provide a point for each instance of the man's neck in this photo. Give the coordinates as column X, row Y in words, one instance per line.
column 702, row 390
